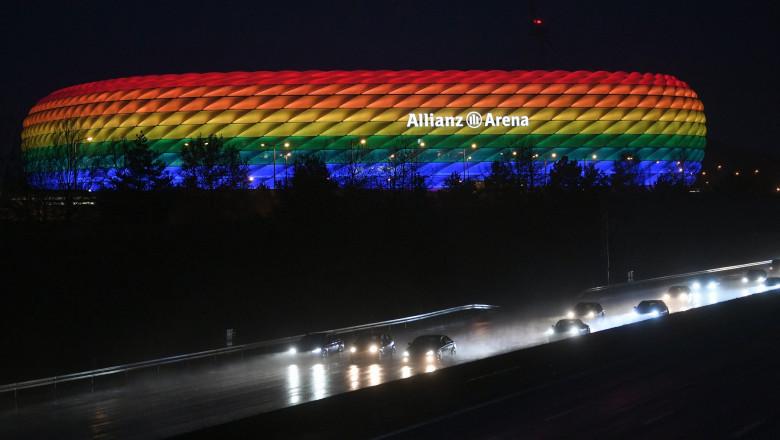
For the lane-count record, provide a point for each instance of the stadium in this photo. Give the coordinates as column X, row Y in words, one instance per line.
column 363, row 121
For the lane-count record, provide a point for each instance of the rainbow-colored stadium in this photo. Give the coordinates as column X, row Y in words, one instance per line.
column 275, row 117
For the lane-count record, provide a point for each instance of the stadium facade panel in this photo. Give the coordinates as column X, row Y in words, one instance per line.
column 365, row 118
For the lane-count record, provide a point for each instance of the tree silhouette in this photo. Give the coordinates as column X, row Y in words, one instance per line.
column 626, row 173
column 208, row 164
column 565, row 175
column 140, row 170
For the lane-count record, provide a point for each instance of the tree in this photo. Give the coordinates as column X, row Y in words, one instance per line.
column 208, row 164
column 69, row 150
column 310, row 174
column 626, row 173
column 501, row 178
column 526, row 168
column 356, row 176
column 565, row 174
column 140, row 169
column 403, row 171
column 593, row 178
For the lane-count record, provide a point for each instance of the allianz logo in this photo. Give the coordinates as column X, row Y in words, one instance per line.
column 472, row 120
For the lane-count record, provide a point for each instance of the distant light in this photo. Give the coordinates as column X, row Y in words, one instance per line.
column 292, row 350
column 286, row 145
column 554, row 155
column 755, row 172
column 630, row 158
column 744, row 280
column 712, row 285
column 422, row 144
column 262, row 145
column 736, row 173
column 703, row 173
column 317, row 350
column 373, row 348
column 719, row 167
column 352, row 349
column 696, row 285
column 473, row 146
column 570, row 314
column 680, row 170
column 594, row 157
column 89, row 139
column 514, row 153
column 251, row 178
column 537, row 21
column 362, row 142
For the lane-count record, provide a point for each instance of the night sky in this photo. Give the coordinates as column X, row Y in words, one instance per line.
column 727, row 53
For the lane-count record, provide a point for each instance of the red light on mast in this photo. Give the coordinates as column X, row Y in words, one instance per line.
column 537, row 21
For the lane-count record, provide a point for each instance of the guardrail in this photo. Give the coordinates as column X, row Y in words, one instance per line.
column 92, row 374
column 671, row 277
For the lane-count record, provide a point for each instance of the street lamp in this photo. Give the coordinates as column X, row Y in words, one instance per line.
column 286, row 168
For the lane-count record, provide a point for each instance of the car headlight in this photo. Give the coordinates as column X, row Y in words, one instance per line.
column 712, row 285
column 292, row 350
column 352, row 349
column 372, row 349
column 429, row 353
column 591, row 314
column 654, row 313
column 570, row 314
column 744, row 280
column 317, row 350
column 549, row 332
column 696, row 285
column 574, row 332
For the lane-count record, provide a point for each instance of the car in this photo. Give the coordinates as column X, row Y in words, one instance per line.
column 652, row 307
column 772, row 282
column 372, row 345
column 677, row 292
column 568, row 327
column 430, row 347
column 754, row 275
column 322, row 344
column 709, row 283
column 586, row 310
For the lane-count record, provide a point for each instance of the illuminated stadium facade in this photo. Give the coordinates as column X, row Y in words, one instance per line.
column 446, row 122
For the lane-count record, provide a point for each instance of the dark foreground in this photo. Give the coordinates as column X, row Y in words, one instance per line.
column 712, row 372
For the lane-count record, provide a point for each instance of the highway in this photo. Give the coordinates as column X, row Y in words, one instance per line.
column 180, row 399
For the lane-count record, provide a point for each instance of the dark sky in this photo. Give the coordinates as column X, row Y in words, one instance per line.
column 727, row 53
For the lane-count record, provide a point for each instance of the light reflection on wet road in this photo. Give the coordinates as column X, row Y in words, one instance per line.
column 186, row 399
